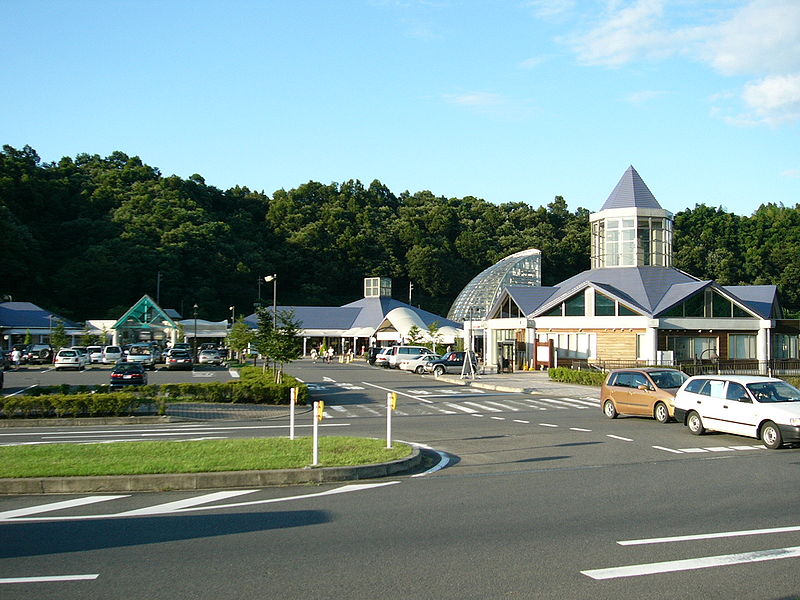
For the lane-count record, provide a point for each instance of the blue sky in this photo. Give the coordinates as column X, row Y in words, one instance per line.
column 515, row 101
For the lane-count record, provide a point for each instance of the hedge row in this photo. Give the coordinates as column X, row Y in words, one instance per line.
column 566, row 375
column 255, row 387
column 75, row 405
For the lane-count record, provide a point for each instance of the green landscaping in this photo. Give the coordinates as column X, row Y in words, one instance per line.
column 135, row 458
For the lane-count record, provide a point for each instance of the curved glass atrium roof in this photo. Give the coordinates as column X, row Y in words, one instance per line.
column 522, row 268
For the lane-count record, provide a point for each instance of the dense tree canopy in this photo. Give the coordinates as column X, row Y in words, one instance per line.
column 87, row 237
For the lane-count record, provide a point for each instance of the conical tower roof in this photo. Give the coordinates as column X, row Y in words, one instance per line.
column 631, row 192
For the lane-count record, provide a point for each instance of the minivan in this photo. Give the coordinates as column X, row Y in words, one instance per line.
column 396, row 353
column 646, row 391
column 759, row 407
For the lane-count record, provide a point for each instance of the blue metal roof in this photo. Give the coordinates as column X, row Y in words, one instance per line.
column 20, row 315
column 631, row 192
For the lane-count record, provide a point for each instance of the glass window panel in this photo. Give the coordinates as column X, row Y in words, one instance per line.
column 624, row 311
column 694, row 306
column 720, row 307
column 603, row 305
column 575, row 306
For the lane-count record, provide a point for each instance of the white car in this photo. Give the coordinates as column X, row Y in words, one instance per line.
column 210, row 357
column 69, row 358
column 95, row 354
column 382, row 358
column 759, row 407
column 398, row 353
column 111, row 355
column 416, row 363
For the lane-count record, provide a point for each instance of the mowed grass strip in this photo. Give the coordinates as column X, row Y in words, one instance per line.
column 134, row 458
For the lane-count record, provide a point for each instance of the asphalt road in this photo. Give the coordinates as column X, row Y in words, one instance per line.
column 540, row 496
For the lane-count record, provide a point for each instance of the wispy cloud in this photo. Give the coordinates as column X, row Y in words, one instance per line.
column 489, row 103
column 759, row 38
column 793, row 173
column 645, row 96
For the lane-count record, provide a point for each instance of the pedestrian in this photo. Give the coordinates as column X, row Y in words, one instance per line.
column 16, row 357
column 331, row 352
column 314, row 355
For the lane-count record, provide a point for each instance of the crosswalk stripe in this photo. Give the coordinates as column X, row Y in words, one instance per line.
column 559, row 403
column 507, row 407
column 482, row 407
column 465, row 409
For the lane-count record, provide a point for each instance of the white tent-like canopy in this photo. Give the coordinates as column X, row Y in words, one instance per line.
column 403, row 319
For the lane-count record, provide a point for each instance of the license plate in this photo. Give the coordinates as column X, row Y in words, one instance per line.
column 127, row 376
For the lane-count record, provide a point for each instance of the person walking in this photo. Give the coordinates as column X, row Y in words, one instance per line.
column 16, row 357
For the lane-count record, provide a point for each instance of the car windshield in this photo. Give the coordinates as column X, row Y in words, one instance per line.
column 774, row 391
column 128, row 369
column 68, row 353
column 668, row 379
column 139, row 350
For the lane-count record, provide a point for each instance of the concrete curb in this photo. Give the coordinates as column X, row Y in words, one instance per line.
column 204, row 481
column 477, row 383
column 86, row 421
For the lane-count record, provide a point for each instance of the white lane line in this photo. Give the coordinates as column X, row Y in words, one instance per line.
column 550, row 403
column 339, row 408
column 49, row 578
column 32, row 510
column 235, row 374
column 30, row 387
column 547, row 425
column 579, row 429
column 498, row 418
column 667, row 449
column 708, row 536
column 521, row 421
column 690, row 564
column 465, row 409
column 184, row 504
column 444, row 460
column 619, row 437
column 398, row 392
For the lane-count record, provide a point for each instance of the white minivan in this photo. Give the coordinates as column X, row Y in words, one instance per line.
column 760, row 407
column 398, row 353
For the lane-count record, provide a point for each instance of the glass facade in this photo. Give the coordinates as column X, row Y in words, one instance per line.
column 520, row 269
column 632, row 242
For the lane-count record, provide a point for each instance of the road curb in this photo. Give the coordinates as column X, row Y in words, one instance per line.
column 204, row 481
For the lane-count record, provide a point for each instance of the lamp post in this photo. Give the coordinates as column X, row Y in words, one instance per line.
column 233, row 314
column 194, row 340
column 274, row 279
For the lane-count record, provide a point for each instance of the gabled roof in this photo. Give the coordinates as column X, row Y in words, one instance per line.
column 145, row 314
column 28, row 315
column 631, row 192
column 650, row 290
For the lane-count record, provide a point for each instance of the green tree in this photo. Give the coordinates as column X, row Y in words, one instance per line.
column 283, row 343
column 59, row 337
column 240, row 336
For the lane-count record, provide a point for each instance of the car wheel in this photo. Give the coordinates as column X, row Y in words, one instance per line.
column 695, row 423
column 610, row 410
column 438, row 370
column 771, row 436
column 419, row 370
column 661, row 412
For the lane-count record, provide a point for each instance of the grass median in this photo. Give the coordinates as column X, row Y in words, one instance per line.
column 136, row 458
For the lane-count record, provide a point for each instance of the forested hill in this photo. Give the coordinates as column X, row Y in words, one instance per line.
column 87, row 237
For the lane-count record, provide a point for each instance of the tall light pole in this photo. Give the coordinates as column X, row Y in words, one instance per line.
column 274, row 279
column 233, row 314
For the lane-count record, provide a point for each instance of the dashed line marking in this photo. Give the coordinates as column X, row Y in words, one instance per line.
column 619, row 437
column 547, row 425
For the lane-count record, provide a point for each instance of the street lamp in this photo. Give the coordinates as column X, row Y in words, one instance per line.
column 274, row 280
column 233, row 314
column 195, row 331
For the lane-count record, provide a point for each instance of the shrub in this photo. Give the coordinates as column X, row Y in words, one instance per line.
column 566, row 375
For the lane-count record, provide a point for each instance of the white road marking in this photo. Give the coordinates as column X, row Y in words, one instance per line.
column 579, row 429
column 521, row 421
column 50, row 578
column 547, row 425
column 483, row 407
column 595, row 404
column 667, row 449
column 498, row 418
column 561, row 403
column 511, row 408
column 465, row 409
column 32, row 510
column 234, row 373
column 689, row 564
column 618, row 437
column 708, row 536
column 184, row 504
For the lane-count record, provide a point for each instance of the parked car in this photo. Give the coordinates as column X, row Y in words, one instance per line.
column 397, row 353
column 143, row 354
column 372, row 353
column 38, row 354
column 69, row 358
column 179, row 359
column 759, row 407
column 111, row 355
column 210, row 357
column 451, row 362
column 646, row 391
column 128, row 374
column 95, row 353
column 382, row 358
column 417, row 363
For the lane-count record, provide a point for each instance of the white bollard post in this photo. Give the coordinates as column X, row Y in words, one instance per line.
column 388, row 419
column 292, row 399
column 315, row 436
